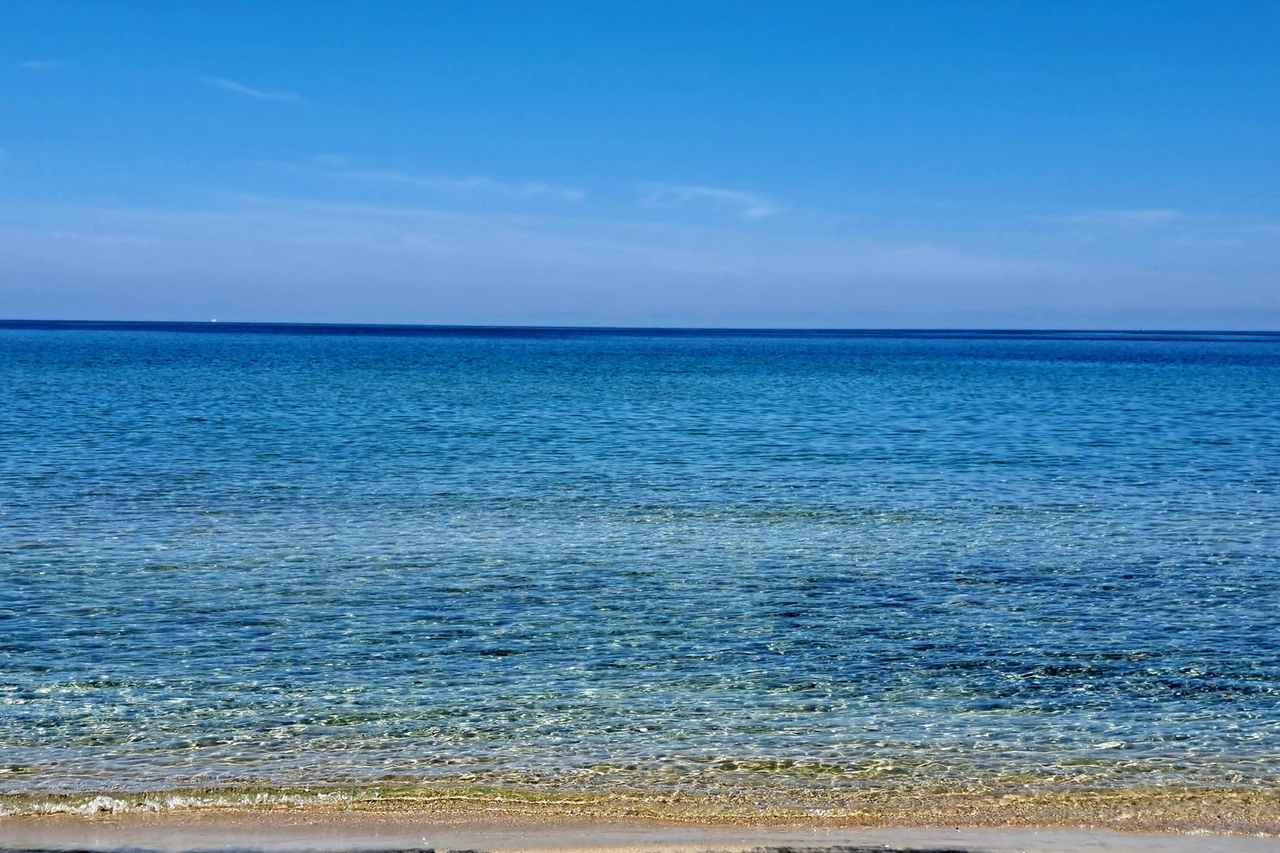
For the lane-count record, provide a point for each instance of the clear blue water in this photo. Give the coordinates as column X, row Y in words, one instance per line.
column 308, row 556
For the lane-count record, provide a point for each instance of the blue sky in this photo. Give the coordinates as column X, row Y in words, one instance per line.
column 680, row 164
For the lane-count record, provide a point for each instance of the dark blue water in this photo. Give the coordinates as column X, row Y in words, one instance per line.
column 323, row 555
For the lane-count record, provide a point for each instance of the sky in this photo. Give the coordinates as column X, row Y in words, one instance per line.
column 716, row 164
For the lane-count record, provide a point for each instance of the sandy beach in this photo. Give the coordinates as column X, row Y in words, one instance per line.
column 502, row 821
column 362, row 832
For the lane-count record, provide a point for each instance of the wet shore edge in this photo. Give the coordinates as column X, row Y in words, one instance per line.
column 1253, row 811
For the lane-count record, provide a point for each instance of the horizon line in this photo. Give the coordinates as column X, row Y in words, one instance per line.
column 423, row 329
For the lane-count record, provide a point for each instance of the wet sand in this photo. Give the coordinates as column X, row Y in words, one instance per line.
column 509, row 821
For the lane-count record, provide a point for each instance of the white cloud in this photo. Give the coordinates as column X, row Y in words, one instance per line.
column 747, row 205
column 262, row 257
column 477, row 183
column 40, row 65
column 571, row 245
column 272, row 258
column 1122, row 218
column 241, row 89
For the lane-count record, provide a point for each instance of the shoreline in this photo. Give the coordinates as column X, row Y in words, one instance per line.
column 302, row 831
column 1222, row 811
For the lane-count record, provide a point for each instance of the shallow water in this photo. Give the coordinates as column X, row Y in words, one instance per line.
column 307, row 556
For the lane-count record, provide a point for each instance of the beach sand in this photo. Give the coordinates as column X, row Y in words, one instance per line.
column 365, row 833
column 511, row 821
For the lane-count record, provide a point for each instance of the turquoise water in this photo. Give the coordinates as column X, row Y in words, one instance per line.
column 309, row 556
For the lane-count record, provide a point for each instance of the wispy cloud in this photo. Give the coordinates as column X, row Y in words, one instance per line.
column 40, row 65
column 747, row 205
column 296, row 258
column 267, row 256
column 241, row 89
column 569, row 249
column 1121, row 218
column 438, row 183
column 1208, row 234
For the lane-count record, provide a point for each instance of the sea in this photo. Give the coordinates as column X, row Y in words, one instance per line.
column 240, row 555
